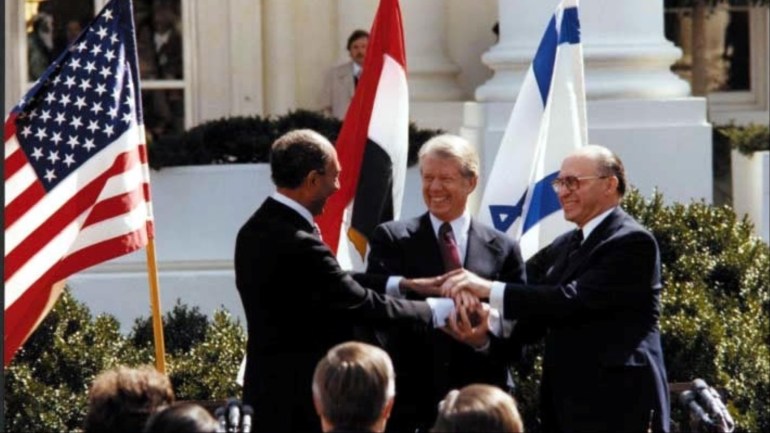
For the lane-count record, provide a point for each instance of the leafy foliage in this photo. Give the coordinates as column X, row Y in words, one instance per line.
column 183, row 328
column 47, row 383
column 247, row 139
column 745, row 139
column 716, row 302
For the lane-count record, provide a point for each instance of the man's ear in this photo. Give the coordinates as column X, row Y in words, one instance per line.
column 317, row 405
column 474, row 180
column 385, row 414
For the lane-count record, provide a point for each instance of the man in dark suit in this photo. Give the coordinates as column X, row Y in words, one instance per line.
column 599, row 304
column 430, row 364
column 297, row 300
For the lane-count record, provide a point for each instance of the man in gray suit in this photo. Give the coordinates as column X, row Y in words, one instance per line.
column 341, row 80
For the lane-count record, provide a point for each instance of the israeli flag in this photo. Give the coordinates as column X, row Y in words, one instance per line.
column 548, row 123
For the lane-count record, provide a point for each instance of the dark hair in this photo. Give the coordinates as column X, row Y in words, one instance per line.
column 182, row 418
column 295, row 154
column 122, row 399
column 478, row 408
column 356, row 35
column 353, row 383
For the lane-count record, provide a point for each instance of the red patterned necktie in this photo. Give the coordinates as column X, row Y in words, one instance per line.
column 450, row 254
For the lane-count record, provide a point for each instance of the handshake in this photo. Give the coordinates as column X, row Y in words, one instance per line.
column 469, row 322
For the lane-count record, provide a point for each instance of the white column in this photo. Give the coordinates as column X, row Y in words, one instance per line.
column 352, row 15
column 280, row 70
column 432, row 75
column 626, row 54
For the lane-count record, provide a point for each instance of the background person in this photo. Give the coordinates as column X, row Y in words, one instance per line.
column 341, row 80
column 478, row 408
column 182, row 418
column 354, row 387
column 122, row 399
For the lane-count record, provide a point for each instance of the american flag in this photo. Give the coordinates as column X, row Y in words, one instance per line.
column 77, row 188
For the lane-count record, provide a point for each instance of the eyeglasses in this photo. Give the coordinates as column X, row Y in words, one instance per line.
column 572, row 183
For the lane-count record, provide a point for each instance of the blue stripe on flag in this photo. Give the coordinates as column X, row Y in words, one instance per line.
column 542, row 65
column 544, row 202
column 503, row 216
column 570, row 27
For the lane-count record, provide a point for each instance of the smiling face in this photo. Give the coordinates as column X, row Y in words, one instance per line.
column 444, row 188
column 592, row 196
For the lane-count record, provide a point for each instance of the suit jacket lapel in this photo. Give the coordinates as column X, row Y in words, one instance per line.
column 480, row 248
column 601, row 232
column 425, row 240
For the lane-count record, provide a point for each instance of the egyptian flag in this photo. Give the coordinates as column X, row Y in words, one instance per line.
column 372, row 145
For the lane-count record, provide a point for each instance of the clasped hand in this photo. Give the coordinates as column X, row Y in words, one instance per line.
column 469, row 323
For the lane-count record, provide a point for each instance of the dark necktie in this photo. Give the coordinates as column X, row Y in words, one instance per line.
column 570, row 249
column 574, row 243
column 450, row 254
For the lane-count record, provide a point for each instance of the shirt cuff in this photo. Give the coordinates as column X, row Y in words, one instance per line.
column 392, row 289
column 485, row 347
column 441, row 309
column 496, row 295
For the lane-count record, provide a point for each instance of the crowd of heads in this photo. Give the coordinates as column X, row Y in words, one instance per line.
column 354, row 389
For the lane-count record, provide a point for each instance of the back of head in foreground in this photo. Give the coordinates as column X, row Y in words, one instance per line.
column 478, row 408
column 122, row 399
column 354, row 388
column 182, row 418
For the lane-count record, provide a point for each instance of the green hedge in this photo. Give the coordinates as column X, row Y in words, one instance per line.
column 745, row 139
column 248, row 139
column 715, row 324
column 47, row 382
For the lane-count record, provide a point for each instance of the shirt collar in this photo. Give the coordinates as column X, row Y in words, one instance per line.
column 357, row 69
column 460, row 225
column 293, row 204
column 595, row 221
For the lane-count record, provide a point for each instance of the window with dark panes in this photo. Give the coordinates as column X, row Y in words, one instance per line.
column 727, row 43
column 52, row 24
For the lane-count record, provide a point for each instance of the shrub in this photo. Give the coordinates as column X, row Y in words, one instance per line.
column 745, row 139
column 248, row 139
column 183, row 328
column 716, row 302
column 47, row 382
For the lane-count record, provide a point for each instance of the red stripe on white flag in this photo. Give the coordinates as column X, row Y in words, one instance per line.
column 386, row 40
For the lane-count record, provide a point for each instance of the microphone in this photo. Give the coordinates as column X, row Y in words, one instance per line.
column 697, row 415
column 716, row 409
column 219, row 414
column 248, row 413
column 233, row 416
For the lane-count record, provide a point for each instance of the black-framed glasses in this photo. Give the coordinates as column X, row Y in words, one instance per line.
column 572, row 183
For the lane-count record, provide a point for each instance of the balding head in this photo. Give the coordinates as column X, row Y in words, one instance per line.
column 607, row 163
column 591, row 181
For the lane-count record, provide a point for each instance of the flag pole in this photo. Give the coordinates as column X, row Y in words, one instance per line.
column 157, row 318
